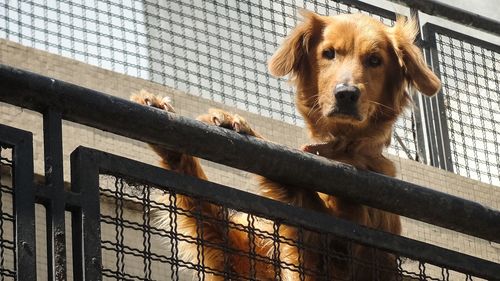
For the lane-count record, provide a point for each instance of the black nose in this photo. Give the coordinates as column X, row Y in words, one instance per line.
column 346, row 95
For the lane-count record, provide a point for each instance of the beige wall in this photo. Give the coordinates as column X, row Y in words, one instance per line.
column 121, row 85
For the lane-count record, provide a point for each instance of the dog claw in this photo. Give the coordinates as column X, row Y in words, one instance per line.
column 216, row 121
column 237, row 127
column 165, row 102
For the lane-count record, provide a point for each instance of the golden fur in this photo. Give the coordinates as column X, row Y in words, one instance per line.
column 382, row 62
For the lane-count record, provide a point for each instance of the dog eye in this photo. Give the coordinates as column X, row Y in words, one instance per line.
column 329, row 54
column 374, row 61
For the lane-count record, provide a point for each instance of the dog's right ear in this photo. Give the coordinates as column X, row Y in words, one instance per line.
column 411, row 59
column 290, row 56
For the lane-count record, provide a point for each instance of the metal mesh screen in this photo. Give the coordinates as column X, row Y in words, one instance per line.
column 7, row 222
column 147, row 234
column 213, row 49
column 471, row 86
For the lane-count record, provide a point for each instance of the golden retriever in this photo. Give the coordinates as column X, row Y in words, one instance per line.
column 351, row 75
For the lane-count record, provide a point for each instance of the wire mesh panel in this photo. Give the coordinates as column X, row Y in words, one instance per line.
column 470, row 72
column 213, row 49
column 151, row 234
column 7, row 222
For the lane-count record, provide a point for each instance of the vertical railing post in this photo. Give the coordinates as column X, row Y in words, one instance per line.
column 419, row 124
column 56, row 206
column 24, row 201
column 437, row 128
column 24, row 210
column 86, row 221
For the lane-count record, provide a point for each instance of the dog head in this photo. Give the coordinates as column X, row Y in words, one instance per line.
column 352, row 71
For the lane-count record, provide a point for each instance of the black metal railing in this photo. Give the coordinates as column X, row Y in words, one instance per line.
column 114, row 201
column 218, row 50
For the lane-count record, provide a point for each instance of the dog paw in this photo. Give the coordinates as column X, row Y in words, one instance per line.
column 227, row 120
column 148, row 99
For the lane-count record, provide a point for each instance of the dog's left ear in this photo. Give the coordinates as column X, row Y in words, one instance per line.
column 411, row 59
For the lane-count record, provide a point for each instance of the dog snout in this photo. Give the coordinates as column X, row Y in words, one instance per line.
column 346, row 94
column 346, row 101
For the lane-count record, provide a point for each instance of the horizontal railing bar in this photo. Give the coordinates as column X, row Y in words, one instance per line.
column 432, row 30
column 435, row 8
column 13, row 136
column 45, row 194
column 283, row 213
column 369, row 8
column 277, row 162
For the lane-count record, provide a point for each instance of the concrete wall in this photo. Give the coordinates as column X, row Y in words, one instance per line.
column 122, row 86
